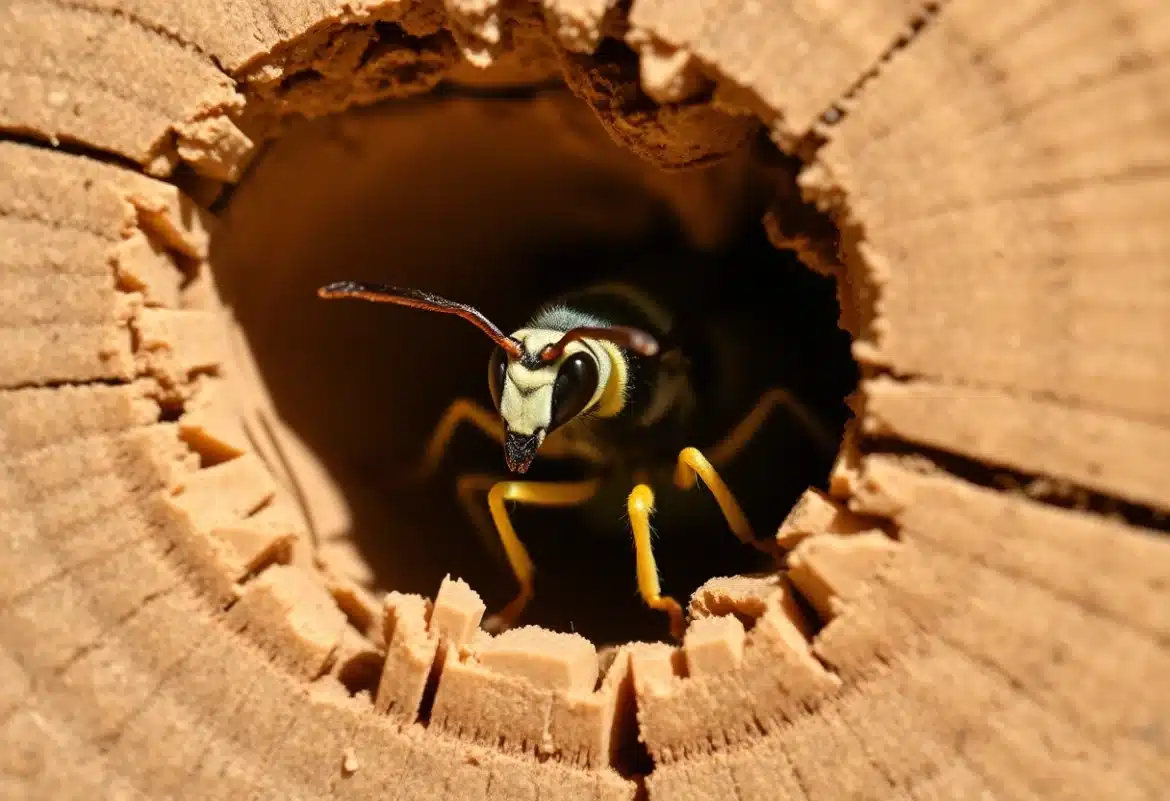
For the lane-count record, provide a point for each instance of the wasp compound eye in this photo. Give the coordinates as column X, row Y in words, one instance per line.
column 574, row 388
column 497, row 367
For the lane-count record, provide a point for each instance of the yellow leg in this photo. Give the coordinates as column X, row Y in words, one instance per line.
column 471, row 489
column 560, row 445
column 743, row 433
column 641, row 505
column 692, row 465
column 465, row 410
column 526, row 492
column 461, row 410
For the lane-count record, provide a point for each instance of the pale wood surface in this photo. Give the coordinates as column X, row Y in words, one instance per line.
column 1001, row 178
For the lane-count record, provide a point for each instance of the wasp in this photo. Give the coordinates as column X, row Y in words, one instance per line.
column 632, row 382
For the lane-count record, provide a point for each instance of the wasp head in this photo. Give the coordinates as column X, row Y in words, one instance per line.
column 546, row 387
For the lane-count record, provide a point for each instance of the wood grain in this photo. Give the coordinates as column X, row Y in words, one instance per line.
column 999, row 174
column 1032, row 435
column 1012, row 178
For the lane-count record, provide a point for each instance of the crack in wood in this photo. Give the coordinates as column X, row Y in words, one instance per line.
column 1037, row 487
column 72, row 147
column 1071, row 497
column 140, row 22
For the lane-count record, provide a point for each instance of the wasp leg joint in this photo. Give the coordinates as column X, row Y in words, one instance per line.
column 751, row 424
column 535, row 494
column 693, row 465
column 461, row 410
column 470, row 489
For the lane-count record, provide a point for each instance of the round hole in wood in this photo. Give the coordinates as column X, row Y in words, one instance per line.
column 502, row 202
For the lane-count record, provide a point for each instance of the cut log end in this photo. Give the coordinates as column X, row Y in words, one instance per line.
column 182, row 609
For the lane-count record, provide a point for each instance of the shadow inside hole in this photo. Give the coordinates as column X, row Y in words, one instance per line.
column 500, row 209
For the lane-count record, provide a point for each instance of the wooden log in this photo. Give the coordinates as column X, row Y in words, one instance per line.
column 999, row 175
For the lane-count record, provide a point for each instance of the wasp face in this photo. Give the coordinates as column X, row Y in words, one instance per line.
column 535, row 397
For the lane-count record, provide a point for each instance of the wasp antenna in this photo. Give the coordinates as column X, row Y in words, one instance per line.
column 629, row 338
column 417, row 299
